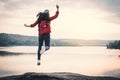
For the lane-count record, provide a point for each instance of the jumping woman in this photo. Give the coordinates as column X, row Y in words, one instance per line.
column 44, row 29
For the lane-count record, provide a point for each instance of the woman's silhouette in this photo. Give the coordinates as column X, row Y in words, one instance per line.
column 44, row 29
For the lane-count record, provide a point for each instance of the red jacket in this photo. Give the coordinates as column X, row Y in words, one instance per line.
column 42, row 26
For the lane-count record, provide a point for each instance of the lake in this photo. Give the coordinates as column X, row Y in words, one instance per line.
column 92, row 61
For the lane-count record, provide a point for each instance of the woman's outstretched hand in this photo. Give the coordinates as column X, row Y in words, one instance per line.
column 57, row 6
column 26, row 25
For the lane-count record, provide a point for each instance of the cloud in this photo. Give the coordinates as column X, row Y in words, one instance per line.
column 111, row 6
column 92, row 13
column 108, row 6
column 9, row 8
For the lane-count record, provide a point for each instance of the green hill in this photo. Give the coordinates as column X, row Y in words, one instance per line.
column 114, row 45
column 21, row 40
column 14, row 40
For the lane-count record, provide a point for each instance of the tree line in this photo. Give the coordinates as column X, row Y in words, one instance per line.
column 15, row 40
column 21, row 40
column 114, row 45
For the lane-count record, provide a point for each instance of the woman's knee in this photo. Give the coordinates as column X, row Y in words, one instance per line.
column 47, row 48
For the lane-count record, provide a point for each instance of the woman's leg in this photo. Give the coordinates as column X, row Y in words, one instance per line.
column 47, row 41
column 39, row 46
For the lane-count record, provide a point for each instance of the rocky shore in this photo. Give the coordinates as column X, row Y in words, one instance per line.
column 56, row 76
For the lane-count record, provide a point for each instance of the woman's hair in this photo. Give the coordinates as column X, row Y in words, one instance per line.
column 43, row 16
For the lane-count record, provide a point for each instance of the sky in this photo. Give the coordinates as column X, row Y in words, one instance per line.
column 78, row 19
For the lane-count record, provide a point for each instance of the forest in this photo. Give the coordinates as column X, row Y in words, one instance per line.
column 22, row 40
column 114, row 45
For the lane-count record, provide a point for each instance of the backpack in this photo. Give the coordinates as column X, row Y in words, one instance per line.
column 44, row 27
column 44, row 23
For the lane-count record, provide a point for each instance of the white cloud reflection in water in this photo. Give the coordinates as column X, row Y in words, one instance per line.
column 84, row 60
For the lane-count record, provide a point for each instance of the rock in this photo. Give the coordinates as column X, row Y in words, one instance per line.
column 55, row 76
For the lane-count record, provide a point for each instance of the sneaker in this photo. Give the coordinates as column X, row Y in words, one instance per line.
column 38, row 63
column 42, row 50
column 47, row 48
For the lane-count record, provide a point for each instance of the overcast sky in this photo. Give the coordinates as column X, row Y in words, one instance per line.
column 78, row 19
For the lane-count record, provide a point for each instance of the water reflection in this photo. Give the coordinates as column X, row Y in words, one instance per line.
column 5, row 53
column 6, row 72
column 84, row 60
column 119, row 56
column 114, row 73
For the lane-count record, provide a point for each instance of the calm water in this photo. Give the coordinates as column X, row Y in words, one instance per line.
column 93, row 61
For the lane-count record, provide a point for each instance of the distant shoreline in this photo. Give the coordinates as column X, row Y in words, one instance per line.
column 21, row 40
column 114, row 45
column 6, row 53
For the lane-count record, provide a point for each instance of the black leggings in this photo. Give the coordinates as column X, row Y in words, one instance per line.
column 43, row 38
